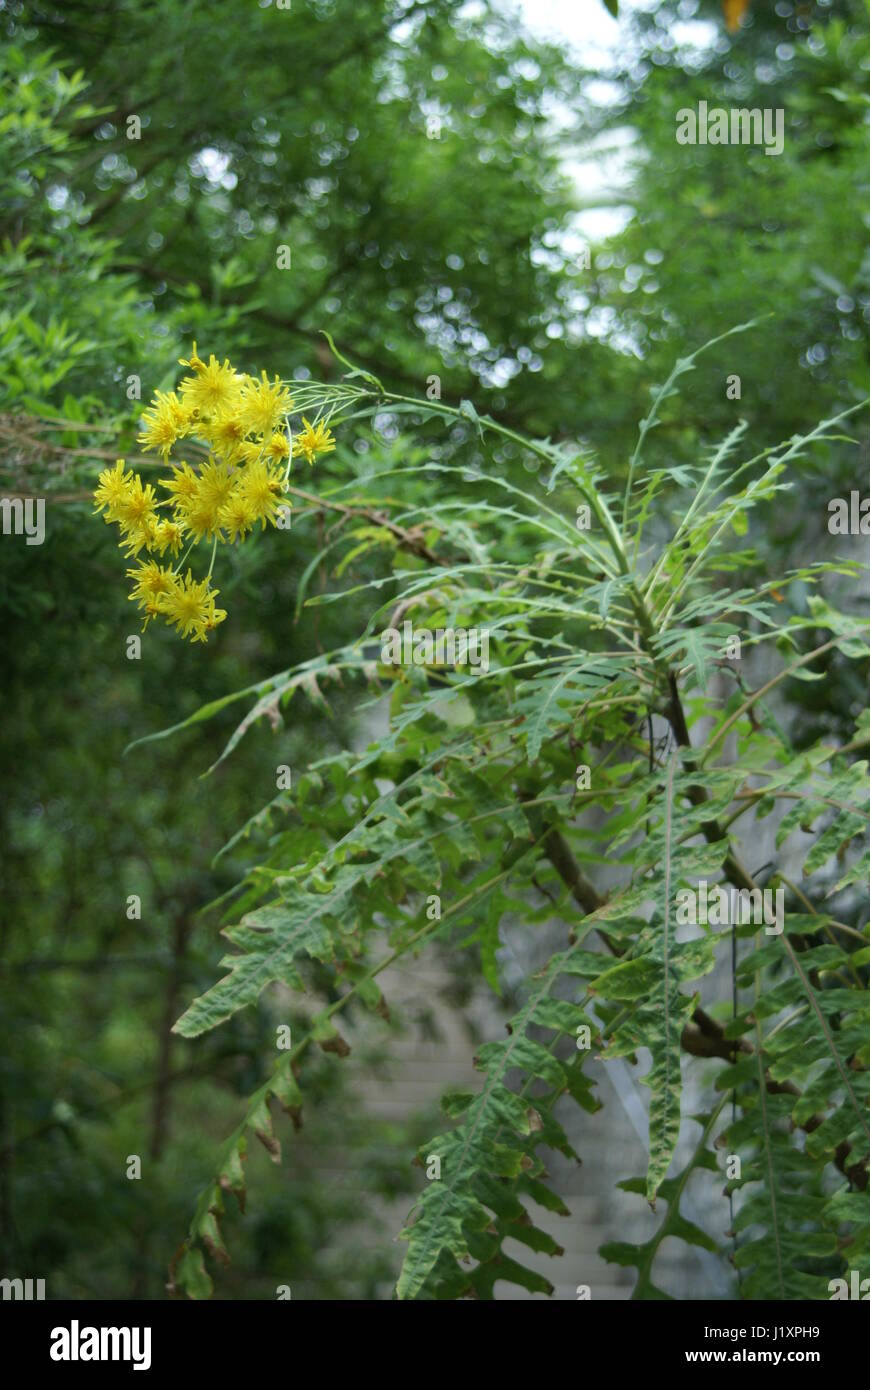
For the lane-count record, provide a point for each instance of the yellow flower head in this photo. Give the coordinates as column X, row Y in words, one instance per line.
column 165, row 421
column 264, row 406
column 261, row 488
column 152, row 582
column 278, row 448
column 189, row 607
column 226, row 434
column 238, row 516
column 182, row 485
column 244, row 421
column 136, row 509
column 134, row 538
column 314, row 439
column 113, row 489
column 213, row 388
column 200, row 511
column 167, row 535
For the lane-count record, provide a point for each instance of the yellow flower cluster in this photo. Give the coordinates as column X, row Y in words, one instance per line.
column 241, row 425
